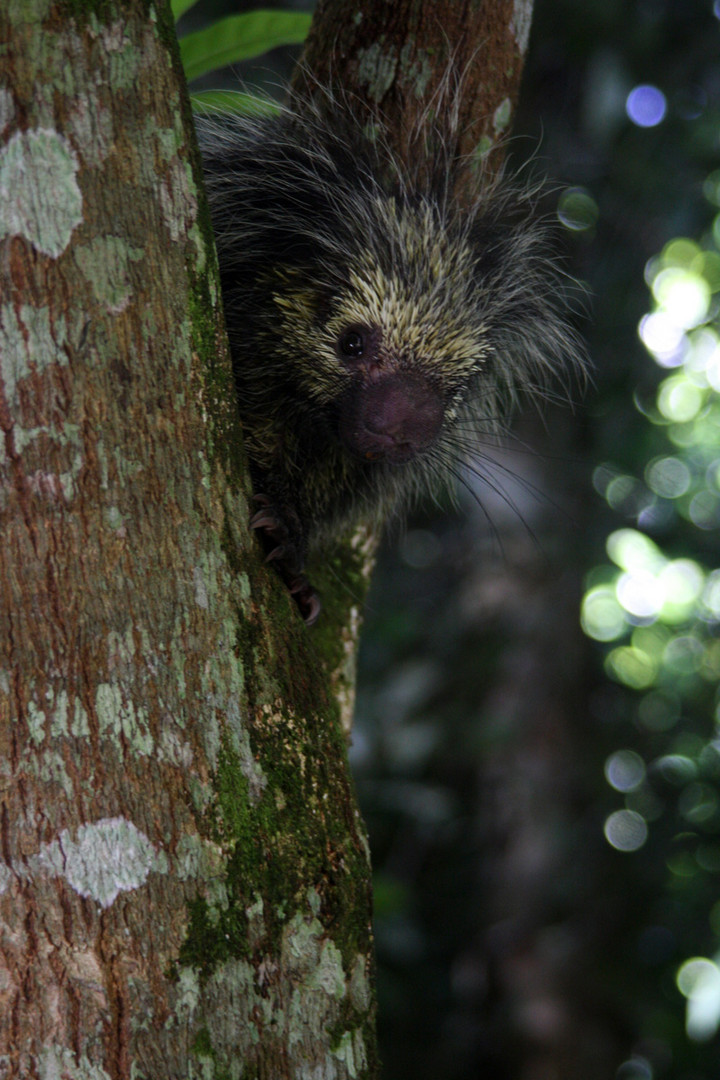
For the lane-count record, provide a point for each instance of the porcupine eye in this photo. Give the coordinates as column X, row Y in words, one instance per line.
column 352, row 344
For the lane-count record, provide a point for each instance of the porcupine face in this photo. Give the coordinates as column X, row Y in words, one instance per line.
column 373, row 321
column 391, row 349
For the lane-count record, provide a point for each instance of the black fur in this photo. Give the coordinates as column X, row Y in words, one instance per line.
column 371, row 318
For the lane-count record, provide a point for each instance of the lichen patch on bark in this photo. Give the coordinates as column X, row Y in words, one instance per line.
column 39, row 194
column 102, row 859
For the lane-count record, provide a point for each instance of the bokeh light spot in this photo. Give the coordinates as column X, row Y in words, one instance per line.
column 601, row 616
column 651, row 640
column 663, row 338
column 707, row 263
column 678, row 399
column 631, row 666
column 704, row 351
column 692, row 971
column 625, row 770
column 680, row 252
column 698, row 804
column 632, row 550
column 711, row 594
column 626, row 830
column 421, row 549
column 684, row 655
column 646, row 105
column 668, row 477
column 640, row 593
column 623, row 492
column 635, row 1068
column 676, row 769
column 577, row 209
column 698, row 979
column 704, row 510
column 683, row 295
column 682, row 581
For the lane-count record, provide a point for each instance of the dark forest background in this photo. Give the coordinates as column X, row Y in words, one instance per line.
column 537, row 749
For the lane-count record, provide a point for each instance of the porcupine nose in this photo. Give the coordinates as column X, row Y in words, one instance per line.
column 392, row 419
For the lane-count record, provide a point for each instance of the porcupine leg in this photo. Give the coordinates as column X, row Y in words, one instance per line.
column 285, row 554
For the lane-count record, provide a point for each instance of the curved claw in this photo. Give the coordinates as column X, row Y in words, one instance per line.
column 262, row 520
column 278, row 552
column 285, row 554
column 306, row 598
column 314, row 609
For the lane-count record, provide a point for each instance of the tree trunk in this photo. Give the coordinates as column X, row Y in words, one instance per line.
column 398, row 60
column 184, row 884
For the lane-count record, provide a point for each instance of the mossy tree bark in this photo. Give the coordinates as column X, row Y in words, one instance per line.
column 184, row 876
column 395, row 61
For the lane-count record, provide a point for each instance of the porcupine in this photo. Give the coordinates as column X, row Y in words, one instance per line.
column 374, row 320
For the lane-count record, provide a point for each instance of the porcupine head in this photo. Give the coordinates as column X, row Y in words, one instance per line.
column 377, row 326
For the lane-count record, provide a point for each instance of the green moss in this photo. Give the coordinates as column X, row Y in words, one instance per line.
column 233, row 799
column 225, row 438
column 214, row 937
column 339, row 576
column 271, row 858
column 202, row 1048
column 201, row 1045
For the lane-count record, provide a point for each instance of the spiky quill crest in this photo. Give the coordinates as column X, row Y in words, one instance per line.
column 329, row 243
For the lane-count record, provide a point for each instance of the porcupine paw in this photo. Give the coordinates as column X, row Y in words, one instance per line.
column 283, row 552
column 306, row 599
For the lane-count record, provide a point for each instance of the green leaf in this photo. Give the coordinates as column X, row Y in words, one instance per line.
column 179, row 7
column 239, row 37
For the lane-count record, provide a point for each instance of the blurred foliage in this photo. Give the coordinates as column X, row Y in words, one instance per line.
column 658, row 604
column 240, row 37
column 653, row 175
column 544, row 808
column 223, row 46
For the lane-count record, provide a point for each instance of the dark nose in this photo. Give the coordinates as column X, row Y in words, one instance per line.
column 392, row 419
